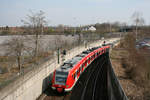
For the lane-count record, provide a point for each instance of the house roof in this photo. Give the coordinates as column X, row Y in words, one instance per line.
column 92, row 28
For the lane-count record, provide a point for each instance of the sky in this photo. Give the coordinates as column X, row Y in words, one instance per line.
column 73, row 12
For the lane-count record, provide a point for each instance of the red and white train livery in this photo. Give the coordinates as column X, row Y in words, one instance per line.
column 65, row 77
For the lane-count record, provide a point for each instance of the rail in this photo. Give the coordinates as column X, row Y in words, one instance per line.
column 93, row 80
column 99, row 82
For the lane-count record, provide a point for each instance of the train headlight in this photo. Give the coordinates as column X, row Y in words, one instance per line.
column 53, row 88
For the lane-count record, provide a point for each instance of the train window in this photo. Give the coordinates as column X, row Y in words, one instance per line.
column 61, row 73
column 94, row 56
column 89, row 60
column 61, row 77
column 77, row 72
column 74, row 76
column 91, row 57
column 82, row 66
column 97, row 53
column 85, row 62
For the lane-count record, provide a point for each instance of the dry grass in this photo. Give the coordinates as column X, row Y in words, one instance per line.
column 132, row 90
column 132, row 67
column 4, row 76
column 9, row 69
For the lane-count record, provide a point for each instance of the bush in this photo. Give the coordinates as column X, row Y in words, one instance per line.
column 5, row 32
column 3, row 70
column 136, row 65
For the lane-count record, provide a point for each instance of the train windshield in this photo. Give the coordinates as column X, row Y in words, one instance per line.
column 61, row 77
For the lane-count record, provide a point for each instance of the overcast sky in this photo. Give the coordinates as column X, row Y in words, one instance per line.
column 73, row 12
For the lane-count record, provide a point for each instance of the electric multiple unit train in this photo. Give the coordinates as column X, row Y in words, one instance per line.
column 65, row 77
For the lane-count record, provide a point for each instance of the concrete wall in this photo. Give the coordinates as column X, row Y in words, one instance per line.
column 31, row 85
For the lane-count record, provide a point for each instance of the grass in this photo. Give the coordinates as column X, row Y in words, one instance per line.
column 120, row 58
column 118, row 54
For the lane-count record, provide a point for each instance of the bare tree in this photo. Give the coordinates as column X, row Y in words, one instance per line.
column 35, row 23
column 15, row 48
column 138, row 21
column 58, row 41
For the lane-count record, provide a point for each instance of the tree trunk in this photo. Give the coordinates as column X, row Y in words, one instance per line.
column 36, row 45
column 136, row 31
column 19, row 62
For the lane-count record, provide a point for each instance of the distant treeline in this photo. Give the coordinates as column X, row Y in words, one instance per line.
column 62, row 29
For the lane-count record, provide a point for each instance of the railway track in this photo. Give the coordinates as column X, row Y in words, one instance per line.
column 92, row 84
column 100, row 90
column 90, row 91
column 65, row 97
column 50, row 94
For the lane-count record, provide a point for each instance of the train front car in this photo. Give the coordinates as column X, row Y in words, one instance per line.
column 61, row 76
column 59, row 80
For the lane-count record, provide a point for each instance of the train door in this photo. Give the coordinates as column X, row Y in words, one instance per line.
column 86, row 63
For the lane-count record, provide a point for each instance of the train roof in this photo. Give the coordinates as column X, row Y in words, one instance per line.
column 82, row 55
column 72, row 62
column 69, row 64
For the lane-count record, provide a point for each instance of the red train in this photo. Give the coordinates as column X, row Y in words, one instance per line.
column 65, row 77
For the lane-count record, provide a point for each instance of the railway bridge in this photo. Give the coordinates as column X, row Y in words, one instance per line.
column 98, row 82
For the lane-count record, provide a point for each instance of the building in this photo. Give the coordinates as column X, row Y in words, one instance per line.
column 92, row 28
column 89, row 28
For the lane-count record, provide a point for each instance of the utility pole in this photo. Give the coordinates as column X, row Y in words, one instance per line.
column 110, row 27
column 58, row 54
column 136, row 31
